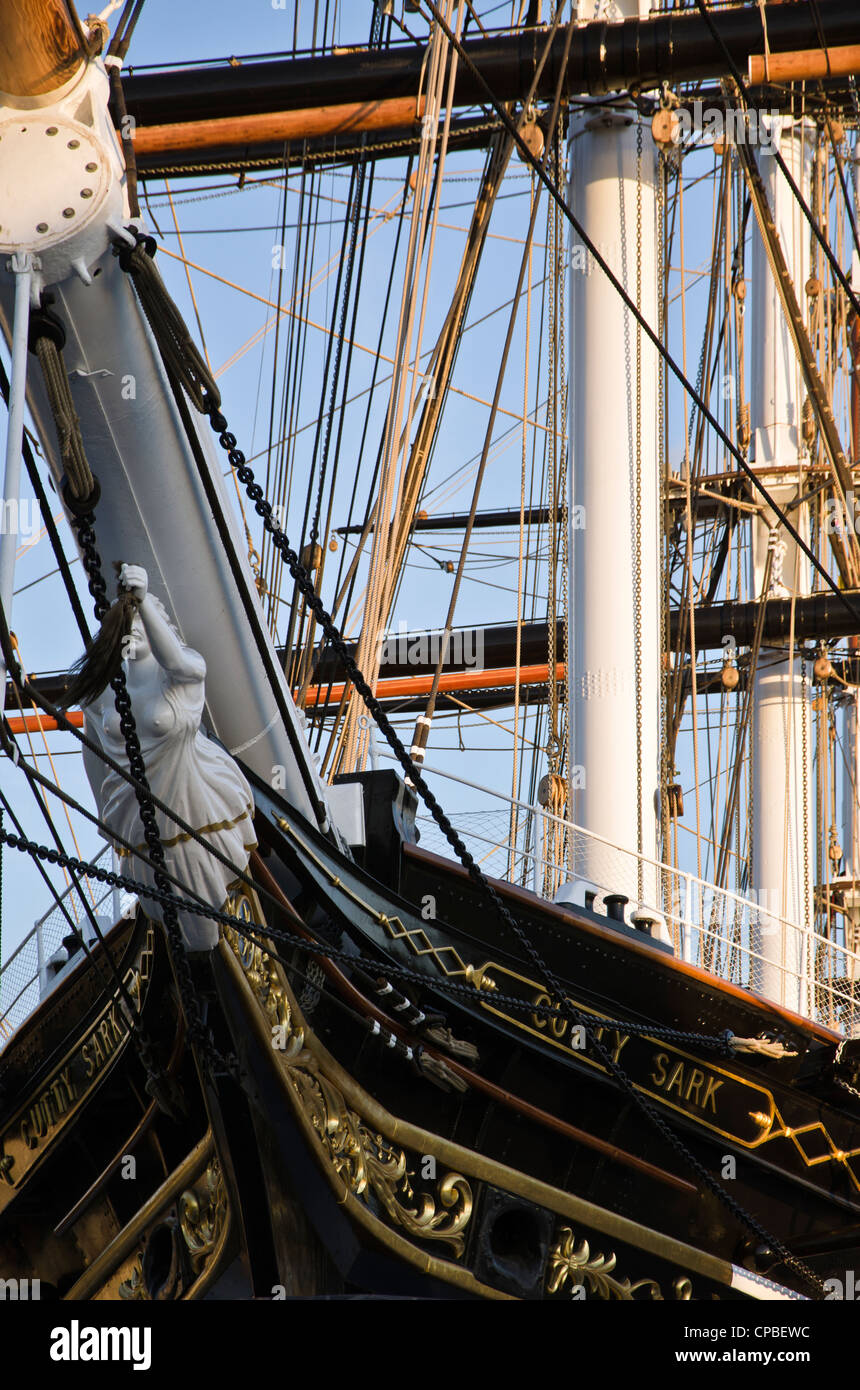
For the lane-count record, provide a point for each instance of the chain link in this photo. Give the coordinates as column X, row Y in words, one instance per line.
column 199, row 1033
column 664, row 567
column 255, row 493
column 637, row 503
column 306, row 587
column 721, row 1043
column 237, row 166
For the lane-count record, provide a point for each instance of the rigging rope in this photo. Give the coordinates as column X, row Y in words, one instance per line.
column 647, row 329
column 81, row 497
column 237, row 459
column 263, row 508
column 726, row 1044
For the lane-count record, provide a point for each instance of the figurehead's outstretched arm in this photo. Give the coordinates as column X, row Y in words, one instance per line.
column 181, row 662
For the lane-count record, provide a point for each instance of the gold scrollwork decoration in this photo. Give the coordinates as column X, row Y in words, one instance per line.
column 203, row 1213
column 366, row 1165
column 377, row 1172
column 336, row 1127
column 262, row 975
column 133, row 1288
column 443, row 1217
column 575, row 1264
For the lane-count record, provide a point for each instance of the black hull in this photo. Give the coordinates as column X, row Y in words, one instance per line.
column 339, row 1168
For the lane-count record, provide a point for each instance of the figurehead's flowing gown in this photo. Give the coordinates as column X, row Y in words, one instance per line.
column 191, row 774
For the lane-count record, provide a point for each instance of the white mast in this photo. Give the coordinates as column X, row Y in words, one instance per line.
column 783, row 820
column 614, row 645
column 850, row 894
column 63, row 183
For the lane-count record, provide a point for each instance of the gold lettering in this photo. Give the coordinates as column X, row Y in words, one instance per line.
column 88, row 1059
column 676, row 1079
column 713, row 1085
column 621, row 1042
column 694, row 1084
column 104, row 1029
column 543, row 1001
column 97, row 1049
column 661, row 1061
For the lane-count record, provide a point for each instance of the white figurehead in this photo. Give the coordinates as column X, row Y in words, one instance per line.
column 185, row 769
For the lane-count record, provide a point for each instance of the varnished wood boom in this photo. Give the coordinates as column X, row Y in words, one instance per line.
column 40, row 46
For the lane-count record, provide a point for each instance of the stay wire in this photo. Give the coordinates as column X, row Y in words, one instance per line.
column 312, row 945
column 781, row 164
column 305, row 586
column 653, row 337
column 48, row 522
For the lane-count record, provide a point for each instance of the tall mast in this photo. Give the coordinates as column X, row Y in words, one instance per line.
column 41, row 51
column 614, row 693
column 163, row 501
column 782, row 829
column 850, row 895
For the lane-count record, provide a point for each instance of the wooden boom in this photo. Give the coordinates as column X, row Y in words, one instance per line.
column 41, row 47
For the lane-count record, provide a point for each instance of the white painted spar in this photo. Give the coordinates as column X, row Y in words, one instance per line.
column 21, row 265
column 849, row 894
column 783, row 809
column 154, row 510
column 851, row 713
column 614, row 643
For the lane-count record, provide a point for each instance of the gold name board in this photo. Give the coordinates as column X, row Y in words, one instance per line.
column 719, row 1099
column 36, row 1125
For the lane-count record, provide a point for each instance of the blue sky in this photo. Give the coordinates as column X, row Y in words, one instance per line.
column 232, row 325
column 231, row 320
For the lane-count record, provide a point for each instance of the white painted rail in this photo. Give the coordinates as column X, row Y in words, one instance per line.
column 721, row 931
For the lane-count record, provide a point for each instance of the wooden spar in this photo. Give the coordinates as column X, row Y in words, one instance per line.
column 451, row 680
column 348, row 119
column 675, row 45
column 35, row 723
column 40, row 47
column 502, row 676
column 804, row 65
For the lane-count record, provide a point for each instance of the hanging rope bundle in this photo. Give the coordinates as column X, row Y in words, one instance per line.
column 47, row 340
column 174, row 340
column 99, row 668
